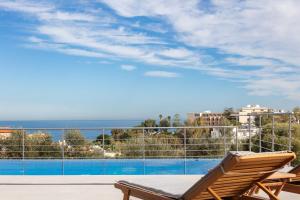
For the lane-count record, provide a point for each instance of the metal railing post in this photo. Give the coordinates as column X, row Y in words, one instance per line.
column 23, row 151
column 144, row 160
column 103, row 142
column 260, row 132
column 184, row 137
column 273, row 134
column 236, row 134
column 249, row 130
column 224, row 140
column 63, row 153
column 23, row 144
column 290, row 132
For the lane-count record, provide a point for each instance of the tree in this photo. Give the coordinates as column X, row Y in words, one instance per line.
column 176, row 120
column 169, row 119
column 296, row 111
column 160, row 117
column 280, row 139
column 41, row 145
column 74, row 138
column 119, row 134
column 227, row 113
column 164, row 123
column 149, row 123
column 13, row 145
column 265, row 119
column 107, row 139
column 200, row 143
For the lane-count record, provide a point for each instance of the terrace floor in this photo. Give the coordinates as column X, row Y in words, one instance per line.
column 88, row 187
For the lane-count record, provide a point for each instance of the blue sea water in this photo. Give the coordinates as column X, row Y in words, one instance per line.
column 107, row 167
column 79, row 124
column 70, row 123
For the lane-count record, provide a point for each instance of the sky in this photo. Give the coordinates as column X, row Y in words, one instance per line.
column 132, row 59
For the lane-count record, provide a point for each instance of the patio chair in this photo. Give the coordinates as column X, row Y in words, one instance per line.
column 233, row 178
column 278, row 184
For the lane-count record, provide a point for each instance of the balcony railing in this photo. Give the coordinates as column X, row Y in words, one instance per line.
column 144, row 143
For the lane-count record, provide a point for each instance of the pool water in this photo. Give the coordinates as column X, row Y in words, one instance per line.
column 107, row 166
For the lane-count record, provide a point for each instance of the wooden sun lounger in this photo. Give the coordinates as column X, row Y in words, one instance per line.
column 294, row 184
column 281, row 184
column 233, row 178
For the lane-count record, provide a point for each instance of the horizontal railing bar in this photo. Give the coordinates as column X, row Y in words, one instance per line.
column 109, row 158
column 133, row 139
column 266, row 148
column 110, row 128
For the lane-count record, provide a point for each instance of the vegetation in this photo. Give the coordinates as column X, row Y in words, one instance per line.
column 158, row 141
column 281, row 139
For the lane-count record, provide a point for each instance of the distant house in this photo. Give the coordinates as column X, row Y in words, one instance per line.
column 207, row 118
column 5, row 132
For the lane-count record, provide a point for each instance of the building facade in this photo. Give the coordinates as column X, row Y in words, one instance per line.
column 251, row 110
column 206, row 118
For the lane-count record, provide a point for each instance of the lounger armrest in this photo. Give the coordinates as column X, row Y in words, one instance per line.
column 281, row 175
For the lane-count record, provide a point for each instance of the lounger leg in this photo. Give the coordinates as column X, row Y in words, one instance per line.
column 126, row 194
column 279, row 189
column 267, row 191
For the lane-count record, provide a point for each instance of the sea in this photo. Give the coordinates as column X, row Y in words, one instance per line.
column 70, row 124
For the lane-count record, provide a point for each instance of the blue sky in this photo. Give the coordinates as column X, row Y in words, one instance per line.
column 131, row 59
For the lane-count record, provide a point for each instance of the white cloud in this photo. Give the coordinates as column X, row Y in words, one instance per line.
column 250, row 42
column 285, row 86
column 128, row 67
column 162, row 74
column 66, row 16
column 42, row 44
column 263, row 34
column 176, row 53
column 44, row 11
column 25, row 6
column 249, row 61
column 80, row 35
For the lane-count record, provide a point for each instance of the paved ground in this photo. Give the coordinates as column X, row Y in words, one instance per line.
column 85, row 187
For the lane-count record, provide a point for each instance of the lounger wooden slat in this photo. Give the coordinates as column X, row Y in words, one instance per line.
column 258, row 165
column 231, row 178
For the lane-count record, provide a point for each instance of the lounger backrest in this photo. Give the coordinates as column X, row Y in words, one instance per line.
column 296, row 170
column 237, row 173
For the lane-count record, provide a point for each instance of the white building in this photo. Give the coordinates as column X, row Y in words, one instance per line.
column 192, row 116
column 243, row 132
column 251, row 109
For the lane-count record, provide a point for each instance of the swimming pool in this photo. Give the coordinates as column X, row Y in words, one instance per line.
column 107, row 166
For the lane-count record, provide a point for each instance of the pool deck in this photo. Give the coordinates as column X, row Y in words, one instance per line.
column 85, row 187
